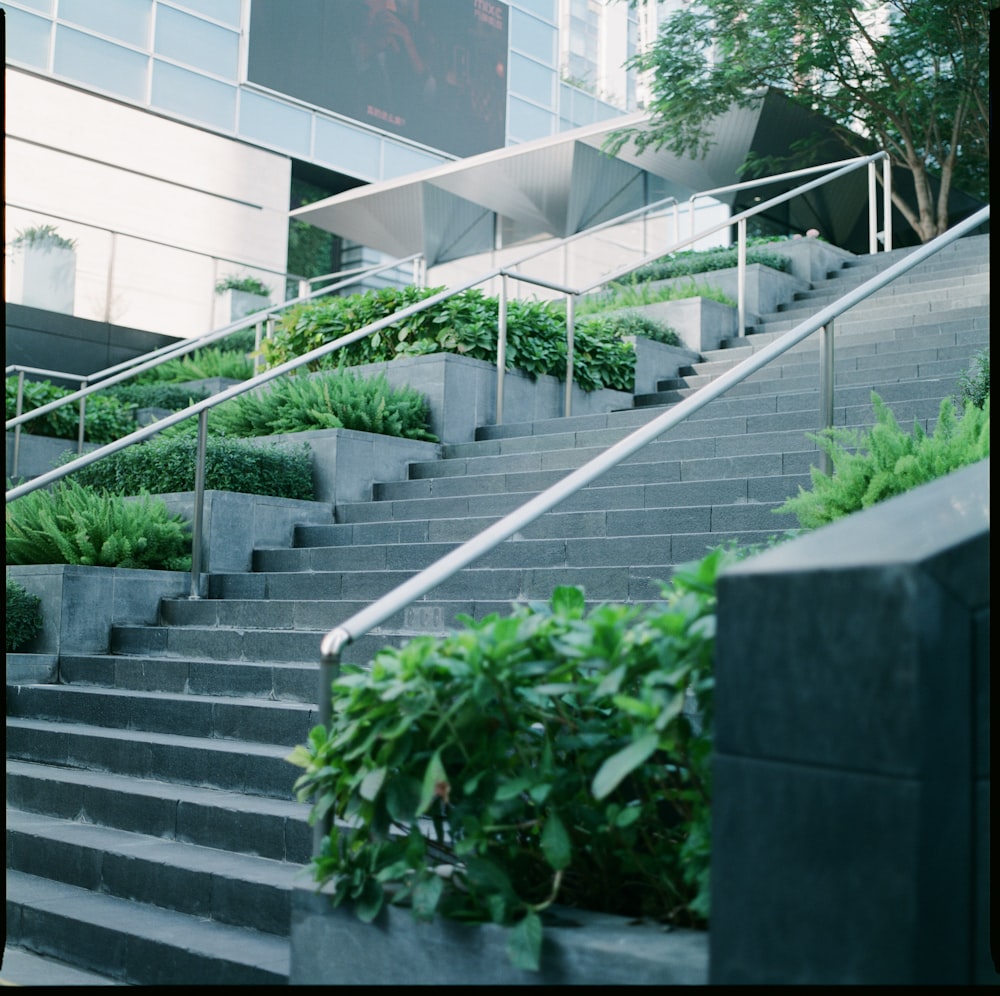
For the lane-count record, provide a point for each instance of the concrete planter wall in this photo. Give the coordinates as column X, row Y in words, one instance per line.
column 79, row 605
column 656, row 361
column 233, row 305
column 700, row 323
column 234, row 524
column 332, row 947
column 40, row 276
column 811, row 259
column 37, row 455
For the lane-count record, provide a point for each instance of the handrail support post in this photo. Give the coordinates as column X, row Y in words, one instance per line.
column 17, row 428
column 741, row 274
column 826, row 387
column 197, row 526
column 81, row 431
column 568, row 404
column 501, row 346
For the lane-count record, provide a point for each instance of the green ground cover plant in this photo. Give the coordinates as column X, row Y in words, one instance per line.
column 158, row 395
column 974, row 384
column 627, row 295
column 23, row 619
column 106, row 418
column 692, row 262
column 872, row 465
column 335, row 399
column 202, row 364
column 73, row 524
column 465, row 324
column 553, row 756
column 166, row 464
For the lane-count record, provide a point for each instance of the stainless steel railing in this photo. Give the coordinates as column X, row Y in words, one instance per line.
column 201, row 408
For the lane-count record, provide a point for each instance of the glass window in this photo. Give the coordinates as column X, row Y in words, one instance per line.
column 126, row 20
column 533, row 37
column 42, row 6
column 198, row 97
column 526, row 122
column 398, row 160
column 197, row 43
column 226, row 11
column 100, row 64
column 274, row 123
column 27, row 38
column 542, row 8
column 342, row 147
column 532, row 80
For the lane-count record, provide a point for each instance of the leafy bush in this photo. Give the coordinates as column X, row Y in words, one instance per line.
column 625, row 295
column 43, row 237
column 552, row 756
column 166, row 464
column 691, row 262
column 73, row 524
column 202, row 364
column 23, row 620
column 168, row 396
column 870, row 466
column 974, row 384
column 335, row 400
column 249, row 285
column 465, row 324
column 105, row 418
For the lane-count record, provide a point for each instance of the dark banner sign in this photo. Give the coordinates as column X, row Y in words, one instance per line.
column 434, row 71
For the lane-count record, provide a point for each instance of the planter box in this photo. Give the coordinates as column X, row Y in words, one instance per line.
column 234, row 524
column 236, row 304
column 347, row 463
column 811, row 259
column 700, row 323
column 79, row 605
column 37, row 455
column 332, row 947
column 42, row 277
column 766, row 288
column 461, row 393
column 32, row 669
column 656, row 361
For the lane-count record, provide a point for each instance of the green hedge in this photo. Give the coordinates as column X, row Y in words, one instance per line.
column 106, row 418
column 23, row 620
column 686, row 264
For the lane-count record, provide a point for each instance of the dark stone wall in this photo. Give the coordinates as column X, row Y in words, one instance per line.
column 850, row 839
column 52, row 341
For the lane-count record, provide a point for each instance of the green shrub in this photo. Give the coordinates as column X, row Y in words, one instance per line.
column 691, row 262
column 106, row 418
column 974, row 384
column 624, row 295
column 168, row 396
column 870, row 466
column 334, row 400
column 465, row 324
column 166, row 464
column 249, row 285
column 202, row 364
column 23, row 621
column 552, row 756
column 634, row 323
column 73, row 524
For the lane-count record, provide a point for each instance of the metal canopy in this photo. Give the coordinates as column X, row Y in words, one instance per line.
column 552, row 187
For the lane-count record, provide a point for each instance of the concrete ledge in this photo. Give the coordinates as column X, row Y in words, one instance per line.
column 332, row 947
column 700, row 322
column 234, row 524
column 79, row 605
column 38, row 455
column 32, row 669
column 811, row 259
column 656, row 361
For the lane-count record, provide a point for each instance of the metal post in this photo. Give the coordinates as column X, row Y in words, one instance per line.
column 329, row 668
column 81, row 428
column 199, row 504
column 741, row 274
column 826, row 390
column 501, row 345
column 887, row 202
column 872, row 211
column 568, row 406
column 258, row 333
column 109, row 288
column 17, row 428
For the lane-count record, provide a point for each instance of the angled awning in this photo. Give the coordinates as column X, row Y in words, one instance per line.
column 552, row 187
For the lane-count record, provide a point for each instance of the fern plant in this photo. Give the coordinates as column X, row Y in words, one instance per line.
column 23, row 619
column 333, row 400
column 870, row 466
column 73, row 524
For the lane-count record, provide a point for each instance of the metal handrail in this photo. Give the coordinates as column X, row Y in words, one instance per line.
column 200, row 408
column 399, row 598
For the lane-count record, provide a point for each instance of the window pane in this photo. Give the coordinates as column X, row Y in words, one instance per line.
column 533, row 37
column 194, row 96
column 350, row 149
column 527, row 122
column 274, row 123
column 543, row 8
column 398, row 160
column 27, row 39
column 100, row 64
column 227, row 11
column 196, row 42
column 127, row 20
column 532, row 80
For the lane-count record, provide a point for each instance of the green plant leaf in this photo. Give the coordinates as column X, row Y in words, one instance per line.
column 555, row 843
column 524, row 943
column 435, row 784
column 622, row 764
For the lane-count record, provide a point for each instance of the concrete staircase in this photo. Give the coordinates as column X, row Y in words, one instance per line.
column 151, row 832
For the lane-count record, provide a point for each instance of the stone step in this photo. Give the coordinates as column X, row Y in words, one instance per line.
column 212, row 717
column 135, row 943
column 210, row 817
column 232, row 765
column 240, row 890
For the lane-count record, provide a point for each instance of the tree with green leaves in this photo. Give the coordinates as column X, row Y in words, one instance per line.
column 910, row 76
